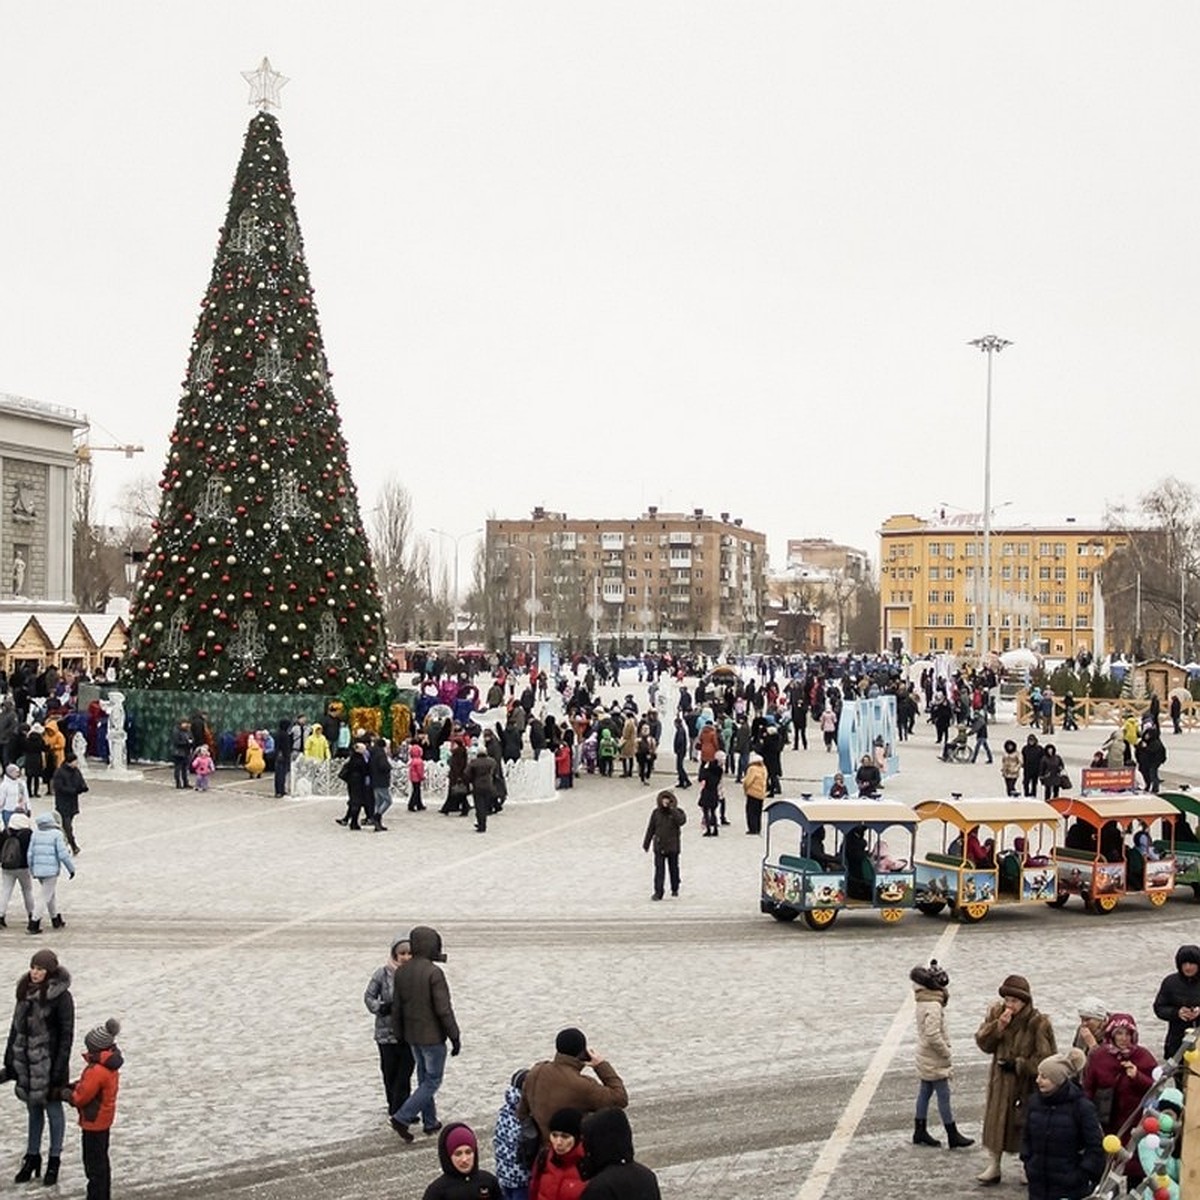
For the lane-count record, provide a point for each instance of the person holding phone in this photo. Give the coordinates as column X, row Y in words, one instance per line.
column 560, row 1083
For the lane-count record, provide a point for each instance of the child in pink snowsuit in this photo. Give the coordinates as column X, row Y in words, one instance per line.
column 416, row 776
column 203, row 766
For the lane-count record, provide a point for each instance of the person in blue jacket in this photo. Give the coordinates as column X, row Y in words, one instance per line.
column 48, row 855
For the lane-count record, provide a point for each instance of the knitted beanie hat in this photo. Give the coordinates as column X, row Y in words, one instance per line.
column 568, row 1121
column 103, row 1036
column 458, row 1137
column 1092, row 1009
column 47, row 960
column 1058, row 1068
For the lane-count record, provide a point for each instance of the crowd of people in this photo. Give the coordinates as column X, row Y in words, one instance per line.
column 560, row 1134
column 1053, row 1110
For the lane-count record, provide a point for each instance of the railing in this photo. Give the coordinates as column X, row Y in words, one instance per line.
column 1094, row 710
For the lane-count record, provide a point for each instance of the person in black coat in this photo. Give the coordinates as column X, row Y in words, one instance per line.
column 608, row 1163
column 355, row 774
column 662, row 832
column 1031, row 765
column 1178, row 999
column 68, row 785
column 283, row 757
column 1061, row 1147
column 34, row 761
column 37, row 1057
column 462, row 1178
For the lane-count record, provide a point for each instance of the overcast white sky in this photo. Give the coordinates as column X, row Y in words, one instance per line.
column 600, row 256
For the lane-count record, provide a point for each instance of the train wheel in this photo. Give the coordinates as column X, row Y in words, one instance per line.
column 971, row 914
column 1103, row 905
column 931, row 908
column 892, row 915
column 820, row 918
column 1196, row 890
column 1059, row 900
column 1158, row 899
column 784, row 914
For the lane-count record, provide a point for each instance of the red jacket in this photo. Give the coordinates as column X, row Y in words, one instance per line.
column 95, row 1095
column 557, row 1178
column 562, row 760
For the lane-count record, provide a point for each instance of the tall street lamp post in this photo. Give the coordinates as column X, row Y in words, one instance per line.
column 990, row 345
column 454, row 605
column 532, row 606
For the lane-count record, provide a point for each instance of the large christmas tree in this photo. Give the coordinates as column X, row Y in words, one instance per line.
column 259, row 575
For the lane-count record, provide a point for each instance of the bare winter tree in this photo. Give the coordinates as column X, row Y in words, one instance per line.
column 401, row 564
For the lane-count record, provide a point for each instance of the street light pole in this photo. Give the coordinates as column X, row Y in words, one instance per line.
column 991, row 345
column 454, row 603
column 533, row 592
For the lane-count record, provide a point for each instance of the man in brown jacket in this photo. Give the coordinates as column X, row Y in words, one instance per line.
column 560, row 1083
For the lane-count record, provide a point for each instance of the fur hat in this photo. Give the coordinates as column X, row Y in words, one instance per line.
column 932, row 977
column 571, row 1041
column 103, row 1036
column 47, row 960
column 566, row 1120
column 1091, row 1008
column 1058, row 1068
column 1016, row 986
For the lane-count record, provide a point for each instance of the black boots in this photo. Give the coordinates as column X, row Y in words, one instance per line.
column 52, row 1170
column 33, row 926
column 956, row 1140
column 921, row 1135
column 57, row 922
column 31, row 1168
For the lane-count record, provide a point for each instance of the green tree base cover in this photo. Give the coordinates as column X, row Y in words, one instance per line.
column 259, row 574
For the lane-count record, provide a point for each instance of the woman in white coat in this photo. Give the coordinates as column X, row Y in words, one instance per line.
column 931, row 987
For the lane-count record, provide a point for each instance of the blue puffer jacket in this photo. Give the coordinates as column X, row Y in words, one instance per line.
column 48, row 852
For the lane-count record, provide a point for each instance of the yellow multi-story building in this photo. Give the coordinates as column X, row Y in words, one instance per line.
column 1042, row 589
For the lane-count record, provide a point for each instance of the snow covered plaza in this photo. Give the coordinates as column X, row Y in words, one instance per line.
column 233, row 935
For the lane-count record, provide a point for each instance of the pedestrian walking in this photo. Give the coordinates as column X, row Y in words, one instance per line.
column 94, row 1097
column 48, row 855
column 1062, row 1144
column 1018, row 1038
column 425, row 1018
column 395, row 1055
column 979, row 727
column 662, row 833
column 679, row 744
column 14, row 865
column 355, row 773
column 380, row 774
column 829, row 724
column 462, row 1178
column 37, row 1057
column 482, row 777
column 710, row 775
column 931, row 990
column 1178, row 998
column 68, row 785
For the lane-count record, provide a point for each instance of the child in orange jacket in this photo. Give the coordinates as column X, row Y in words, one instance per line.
column 95, row 1096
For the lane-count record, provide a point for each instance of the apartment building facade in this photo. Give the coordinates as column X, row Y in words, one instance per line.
column 1044, row 579
column 658, row 581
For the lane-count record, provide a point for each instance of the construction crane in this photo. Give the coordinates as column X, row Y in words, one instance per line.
column 83, row 461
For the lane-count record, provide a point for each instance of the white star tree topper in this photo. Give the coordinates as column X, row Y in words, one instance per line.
column 265, row 85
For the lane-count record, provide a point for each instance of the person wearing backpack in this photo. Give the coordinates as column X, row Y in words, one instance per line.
column 14, row 865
